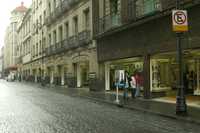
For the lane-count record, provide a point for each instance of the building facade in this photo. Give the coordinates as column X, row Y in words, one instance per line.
column 137, row 36
column 24, row 44
column 10, row 46
column 70, row 52
column 56, row 45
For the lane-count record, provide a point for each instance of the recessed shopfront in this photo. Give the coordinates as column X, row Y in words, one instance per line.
column 81, row 73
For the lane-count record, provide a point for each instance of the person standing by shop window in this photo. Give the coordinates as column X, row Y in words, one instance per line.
column 133, row 86
column 126, row 85
column 139, row 83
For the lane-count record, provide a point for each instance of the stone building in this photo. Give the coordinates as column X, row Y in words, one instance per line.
column 137, row 36
column 10, row 43
column 58, row 47
column 70, row 51
column 24, row 43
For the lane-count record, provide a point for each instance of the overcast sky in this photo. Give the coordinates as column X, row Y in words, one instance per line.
column 6, row 7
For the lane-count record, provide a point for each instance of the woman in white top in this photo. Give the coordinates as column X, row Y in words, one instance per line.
column 133, row 86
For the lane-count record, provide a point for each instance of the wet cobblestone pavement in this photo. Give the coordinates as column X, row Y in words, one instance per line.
column 29, row 109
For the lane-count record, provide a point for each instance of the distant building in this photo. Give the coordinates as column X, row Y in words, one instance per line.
column 10, row 42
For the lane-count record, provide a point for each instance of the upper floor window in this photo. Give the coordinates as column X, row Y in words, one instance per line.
column 54, row 3
column 49, row 5
column 40, row 47
column 144, row 7
column 75, row 27
column 44, row 16
column 87, row 19
column 60, row 33
column 114, row 6
column 37, row 3
column 149, row 6
column 37, row 49
column 44, row 43
column 33, row 51
column 49, row 39
column 115, row 16
column 66, row 29
column 40, row 23
column 54, row 36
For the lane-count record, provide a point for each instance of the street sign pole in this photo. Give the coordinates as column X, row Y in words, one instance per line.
column 181, row 107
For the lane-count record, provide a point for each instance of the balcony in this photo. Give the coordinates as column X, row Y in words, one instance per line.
column 82, row 39
column 26, row 58
column 109, row 22
column 60, row 10
column 67, row 4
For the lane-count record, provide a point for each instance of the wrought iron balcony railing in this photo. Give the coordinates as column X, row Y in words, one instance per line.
column 83, row 38
column 64, row 6
column 109, row 22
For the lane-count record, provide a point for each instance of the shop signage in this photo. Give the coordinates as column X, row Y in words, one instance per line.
column 180, row 20
column 92, row 75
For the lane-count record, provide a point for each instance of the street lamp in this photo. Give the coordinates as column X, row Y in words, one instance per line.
column 181, row 107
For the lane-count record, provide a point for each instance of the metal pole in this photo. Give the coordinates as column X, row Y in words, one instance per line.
column 117, row 94
column 181, row 107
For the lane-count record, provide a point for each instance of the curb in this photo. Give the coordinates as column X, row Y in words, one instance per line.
column 174, row 117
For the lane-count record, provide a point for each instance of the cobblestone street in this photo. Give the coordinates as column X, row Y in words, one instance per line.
column 28, row 109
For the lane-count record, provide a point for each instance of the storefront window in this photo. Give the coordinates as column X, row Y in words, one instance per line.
column 130, row 65
column 160, row 74
column 164, row 74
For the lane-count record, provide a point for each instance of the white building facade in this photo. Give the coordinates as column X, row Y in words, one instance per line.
column 10, row 46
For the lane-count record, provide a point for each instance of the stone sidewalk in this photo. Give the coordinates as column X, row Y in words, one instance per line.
column 139, row 104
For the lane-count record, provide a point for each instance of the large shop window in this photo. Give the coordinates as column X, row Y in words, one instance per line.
column 130, row 67
column 160, row 75
column 164, row 75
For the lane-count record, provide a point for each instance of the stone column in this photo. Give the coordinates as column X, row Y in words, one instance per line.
column 107, row 76
column 79, row 76
column 51, row 75
column 36, row 74
column 62, row 75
